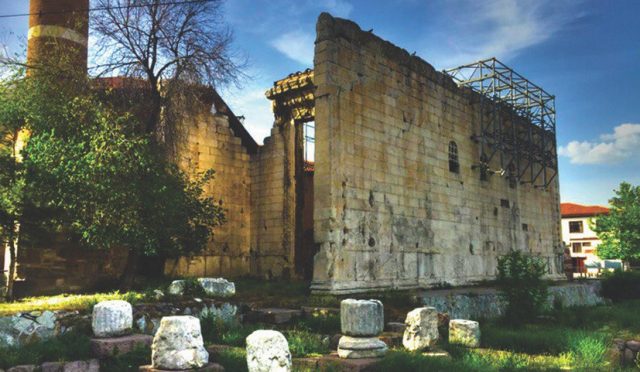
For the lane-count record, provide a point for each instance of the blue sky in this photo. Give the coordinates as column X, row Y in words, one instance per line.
column 587, row 53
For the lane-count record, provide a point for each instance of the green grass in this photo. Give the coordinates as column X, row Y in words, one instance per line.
column 234, row 359
column 324, row 324
column 472, row 360
column 215, row 331
column 81, row 302
column 576, row 339
column 68, row 347
column 303, row 343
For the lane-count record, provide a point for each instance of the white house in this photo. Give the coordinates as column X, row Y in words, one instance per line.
column 578, row 236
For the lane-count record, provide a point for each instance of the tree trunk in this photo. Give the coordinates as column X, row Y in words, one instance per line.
column 12, row 266
column 129, row 274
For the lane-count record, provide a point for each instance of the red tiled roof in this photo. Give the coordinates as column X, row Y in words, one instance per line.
column 118, row 82
column 577, row 210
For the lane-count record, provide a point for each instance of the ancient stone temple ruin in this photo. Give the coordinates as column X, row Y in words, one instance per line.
column 380, row 173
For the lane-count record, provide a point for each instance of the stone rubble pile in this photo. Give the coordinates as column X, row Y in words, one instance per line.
column 361, row 322
column 25, row 328
column 268, row 351
column 214, row 287
column 464, row 332
column 421, row 331
column 626, row 352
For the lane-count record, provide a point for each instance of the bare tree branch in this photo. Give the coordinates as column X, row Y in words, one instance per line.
column 175, row 48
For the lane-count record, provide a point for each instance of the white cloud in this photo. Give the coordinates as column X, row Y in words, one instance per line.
column 255, row 107
column 496, row 28
column 296, row 45
column 338, row 8
column 622, row 144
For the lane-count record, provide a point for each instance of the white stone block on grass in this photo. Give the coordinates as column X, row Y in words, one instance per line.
column 112, row 318
column 421, row 331
column 176, row 288
column 178, row 344
column 361, row 318
column 217, row 287
column 464, row 332
column 268, row 351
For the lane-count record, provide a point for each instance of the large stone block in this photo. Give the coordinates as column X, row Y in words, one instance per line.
column 361, row 347
column 178, row 344
column 112, row 318
column 361, row 317
column 217, row 287
column 268, row 351
column 464, row 332
column 421, row 330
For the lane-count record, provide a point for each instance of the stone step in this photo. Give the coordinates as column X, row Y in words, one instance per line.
column 106, row 347
column 334, row 363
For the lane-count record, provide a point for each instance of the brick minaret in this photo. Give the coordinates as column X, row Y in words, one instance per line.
column 58, row 33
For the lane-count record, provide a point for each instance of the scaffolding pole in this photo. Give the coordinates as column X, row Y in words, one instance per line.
column 517, row 121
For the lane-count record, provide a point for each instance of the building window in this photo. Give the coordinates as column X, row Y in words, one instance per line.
column 454, row 164
column 576, row 247
column 484, row 167
column 586, row 244
column 575, row 226
column 309, row 141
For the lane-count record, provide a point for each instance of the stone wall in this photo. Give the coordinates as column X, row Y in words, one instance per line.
column 388, row 211
column 487, row 303
column 208, row 142
column 273, row 205
column 55, row 263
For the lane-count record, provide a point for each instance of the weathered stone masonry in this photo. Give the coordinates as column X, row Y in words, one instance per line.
column 388, row 212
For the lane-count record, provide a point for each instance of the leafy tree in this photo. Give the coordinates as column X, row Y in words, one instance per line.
column 105, row 179
column 11, row 181
column 620, row 229
column 520, row 278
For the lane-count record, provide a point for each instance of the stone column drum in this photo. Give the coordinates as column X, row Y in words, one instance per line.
column 268, row 351
column 178, row 344
column 112, row 318
column 361, row 321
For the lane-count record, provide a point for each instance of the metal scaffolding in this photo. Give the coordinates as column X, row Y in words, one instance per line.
column 517, row 123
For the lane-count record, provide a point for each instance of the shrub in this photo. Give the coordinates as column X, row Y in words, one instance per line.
column 520, row 280
column 589, row 350
column 325, row 324
column 621, row 285
column 193, row 288
column 304, row 343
